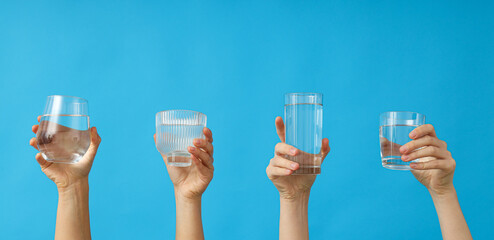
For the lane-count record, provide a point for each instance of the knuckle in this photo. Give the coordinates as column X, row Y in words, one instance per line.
column 453, row 165
column 278, row 146
column 432, row 164
column 433, row 150
column 429, row 140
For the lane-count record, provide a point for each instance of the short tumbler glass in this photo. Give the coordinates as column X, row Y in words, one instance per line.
column 175, row 131
column 394, row 131
column 303, row 130
column 63, row 134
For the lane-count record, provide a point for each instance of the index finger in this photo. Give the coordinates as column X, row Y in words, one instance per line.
column 208, row 134
column 34, row 128
column 423, row 130
column 325, row 147
column 280, row 128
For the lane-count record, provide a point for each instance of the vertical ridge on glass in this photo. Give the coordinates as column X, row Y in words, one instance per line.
column 176, row 130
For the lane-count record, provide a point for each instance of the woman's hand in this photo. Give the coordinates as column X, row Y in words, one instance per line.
column 73, row 189
column 436, row 168
column 66, row 175
column 280, row 169
column 191, row 182
column 435, row 171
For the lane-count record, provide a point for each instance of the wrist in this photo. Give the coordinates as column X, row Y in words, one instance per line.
column 191, row 199
column 79, row 186
column 298, row 197
column 445, row 192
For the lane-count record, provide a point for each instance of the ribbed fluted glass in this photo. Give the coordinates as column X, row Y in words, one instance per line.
column 175, row 131
column 303, row 130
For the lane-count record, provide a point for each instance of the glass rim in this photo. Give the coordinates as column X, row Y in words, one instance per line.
column 180, row 110
column 302, row 98
column 303, row 93
column 64, row 115
column 402, row 112
column 68, row 96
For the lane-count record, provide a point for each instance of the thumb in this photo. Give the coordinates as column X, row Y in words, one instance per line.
column 325, row 148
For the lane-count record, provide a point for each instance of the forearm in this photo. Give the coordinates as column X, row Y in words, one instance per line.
column 189, row 222
column 294, row 221
column 73, row 212
column 451, row 219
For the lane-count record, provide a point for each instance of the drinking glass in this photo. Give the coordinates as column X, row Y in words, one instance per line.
column 175, row 131
column 303, row 130
column 63, row 134
column 393, row 132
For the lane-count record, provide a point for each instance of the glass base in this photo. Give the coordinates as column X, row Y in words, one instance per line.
column 178, row 159
column 74, row 159
column 308, row 170
column 395, row 164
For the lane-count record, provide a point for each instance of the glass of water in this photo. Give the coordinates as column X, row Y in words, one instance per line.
column 63, row 134
column 303, row 130
column 175, row 131
column 393, row 133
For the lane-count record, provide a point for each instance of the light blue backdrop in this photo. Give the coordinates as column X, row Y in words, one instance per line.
column 234, row 60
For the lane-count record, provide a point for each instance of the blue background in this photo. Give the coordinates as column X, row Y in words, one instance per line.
column 234, row 60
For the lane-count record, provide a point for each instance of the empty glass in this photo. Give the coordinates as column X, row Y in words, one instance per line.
column 63, row 134
column 394, row 131
column 175, row 131
column 303, row 130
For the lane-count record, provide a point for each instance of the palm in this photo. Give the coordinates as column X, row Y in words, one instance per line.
column 189, row 180
column 434, row 178
column 63, row 174
column 290, row 185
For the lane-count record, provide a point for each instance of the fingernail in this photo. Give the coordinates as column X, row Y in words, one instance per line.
column 403, row 149
column 404, row 157
column 414, row 165
column 197, row 141
column 192, row 149
column 293, row 166
column 293, row 151
column 413, row 135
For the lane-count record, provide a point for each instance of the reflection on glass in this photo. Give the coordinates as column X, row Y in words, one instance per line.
column 63, row 134
column 394, row 131
column 303, row 130
column 175, row 131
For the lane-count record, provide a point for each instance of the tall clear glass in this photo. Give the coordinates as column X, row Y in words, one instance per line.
column 394, row 131
column 63, row 134
column 175, row 131
column 303, row 130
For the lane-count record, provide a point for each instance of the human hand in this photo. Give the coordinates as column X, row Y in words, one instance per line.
column 436, row 166
column 66, row 175
column 280, row 169
column 191, row 182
